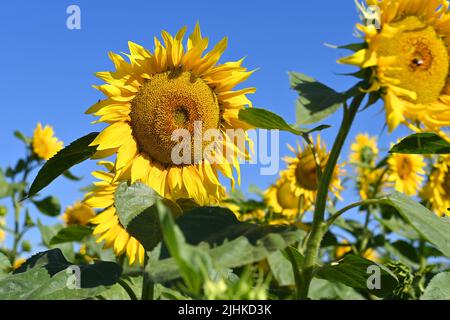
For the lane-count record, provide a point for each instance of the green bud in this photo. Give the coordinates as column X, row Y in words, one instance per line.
column 3, row 211
column 26, row 246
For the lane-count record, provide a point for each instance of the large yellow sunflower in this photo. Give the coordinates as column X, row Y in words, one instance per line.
column 409, row 59
column 406, row 172
column 437, row 189
column 282, row 200
column 302, row 172
column 108, row 226
column 154, row 94
column 44, row 144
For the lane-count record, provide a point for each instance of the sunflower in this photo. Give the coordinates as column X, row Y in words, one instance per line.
column 345, row 248
column 175, row 89
column 44, row 144
column 18, row 262
column 78, row 213
column 370, row 182
column 406, row 172
column 364, row 151
column 108, row 226
column 256, row 216
column 437, row 189
column 408, row 57
column 282, row 200
column 302, row 172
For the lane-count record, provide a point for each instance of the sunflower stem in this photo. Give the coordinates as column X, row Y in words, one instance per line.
column 335, row 216
column 319, row 227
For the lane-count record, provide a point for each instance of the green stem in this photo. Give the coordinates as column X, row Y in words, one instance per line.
column 335, row 216
column 318, row 227
column 147, row 284
column 17, row 234
column 128, row 289
column 296, row 269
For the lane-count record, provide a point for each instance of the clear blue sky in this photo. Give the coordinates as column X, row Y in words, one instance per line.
column 48, row 70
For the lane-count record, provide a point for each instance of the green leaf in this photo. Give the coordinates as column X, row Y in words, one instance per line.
column 28, row 221
column 19, row 135
column 317, row 101
column 69, row 175
column 5, row 189
column 47, row 234
column 353, row 271
column 75, row 153
column 5, row 265
column 391, row 220
column 422, row 143
column 215, row 225
column 228, row 242
column 326, row 290
column 70, row 234
column 431, row 227
column 49, row 206
column 117, row 292
column 281, row 269
column 48, row 275
column 404, row 252
column 264, row 119
column 438, row 288
column 136, row 209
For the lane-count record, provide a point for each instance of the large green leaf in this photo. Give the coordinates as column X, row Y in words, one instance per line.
column 422, row 143
column 48, row 275
column 431, row 227
column 316, row 101
column 228, row 242
column 353, row 271
column 49, row 206
column 75, row 153
column 438, row 288
column 70, row 234
column 321, row 289
column 215, row 225
column 136, row 209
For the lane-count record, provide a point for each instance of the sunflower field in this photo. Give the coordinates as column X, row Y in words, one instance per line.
column 165, row 217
